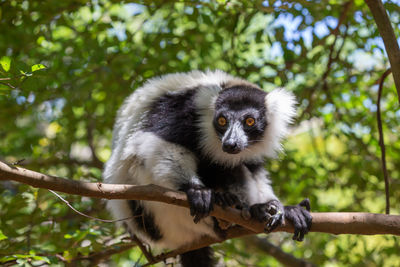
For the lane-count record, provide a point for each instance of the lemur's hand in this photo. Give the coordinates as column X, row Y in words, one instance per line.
column 300, row 218
column 270, row 213
column 201, row 201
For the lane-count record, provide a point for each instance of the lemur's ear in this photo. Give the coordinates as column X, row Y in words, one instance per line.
column 280, row 110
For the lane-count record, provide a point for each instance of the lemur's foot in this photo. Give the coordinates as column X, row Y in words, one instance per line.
column 300, row 218
column 226, row 199
column 270, row 213
column 201, row 201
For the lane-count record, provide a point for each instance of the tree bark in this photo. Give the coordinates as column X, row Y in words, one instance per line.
column 325, row 222
column 389, row 38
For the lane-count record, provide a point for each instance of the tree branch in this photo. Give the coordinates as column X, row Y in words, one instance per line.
column 381, row 139
column 328, row 222
column 389, row 38
column 97, row 257
column 284, row 258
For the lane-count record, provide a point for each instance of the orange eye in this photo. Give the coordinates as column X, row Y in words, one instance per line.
column 250, row 121
column 221, row 121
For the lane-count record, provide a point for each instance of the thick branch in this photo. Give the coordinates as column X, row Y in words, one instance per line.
column 389, row 38
column 329, row 222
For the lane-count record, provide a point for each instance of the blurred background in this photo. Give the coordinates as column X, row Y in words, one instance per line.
column 66, row 66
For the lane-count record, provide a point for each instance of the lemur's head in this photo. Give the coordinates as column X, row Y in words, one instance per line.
column 240, row 122
column 240, row 117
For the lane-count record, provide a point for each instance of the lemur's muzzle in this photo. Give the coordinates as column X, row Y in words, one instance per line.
column 234, row 140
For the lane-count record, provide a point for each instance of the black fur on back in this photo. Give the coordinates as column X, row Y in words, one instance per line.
column 173, row 117
column 203, row 257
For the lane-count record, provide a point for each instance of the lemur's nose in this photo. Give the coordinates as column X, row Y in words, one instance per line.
column 231, row 147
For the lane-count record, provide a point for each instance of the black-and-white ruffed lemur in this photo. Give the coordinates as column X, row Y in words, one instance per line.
column 207, row 134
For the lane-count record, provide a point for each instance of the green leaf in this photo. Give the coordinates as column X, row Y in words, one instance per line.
column 37, row 67
column 5, row 62
column 2, row 236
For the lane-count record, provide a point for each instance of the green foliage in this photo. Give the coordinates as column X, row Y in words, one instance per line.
column 66, row 67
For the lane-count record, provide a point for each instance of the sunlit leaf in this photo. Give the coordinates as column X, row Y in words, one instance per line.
column 37, row 67
column 5, row 63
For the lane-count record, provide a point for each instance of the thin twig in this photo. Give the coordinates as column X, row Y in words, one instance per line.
column 381, row 140
column 142, row 247
column 96, row 257
column 88, row 216
column 9, row 85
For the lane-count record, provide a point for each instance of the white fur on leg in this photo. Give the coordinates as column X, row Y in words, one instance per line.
column 147, row 159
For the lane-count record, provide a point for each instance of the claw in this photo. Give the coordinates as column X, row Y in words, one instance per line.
column 270, row 213
column 273, row 222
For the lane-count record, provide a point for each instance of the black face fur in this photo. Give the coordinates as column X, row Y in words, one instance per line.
column 237, row 104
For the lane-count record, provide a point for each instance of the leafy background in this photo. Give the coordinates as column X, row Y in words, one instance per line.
column 66, row 67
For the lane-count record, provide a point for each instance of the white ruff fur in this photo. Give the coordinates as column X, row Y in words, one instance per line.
column 143, row 158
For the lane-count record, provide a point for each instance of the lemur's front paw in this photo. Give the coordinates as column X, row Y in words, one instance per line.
column 201, row 201
column 227, row 199
column 300, row 218
column 270, row 213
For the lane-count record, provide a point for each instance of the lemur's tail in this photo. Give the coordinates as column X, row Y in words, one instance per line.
column 202, row 257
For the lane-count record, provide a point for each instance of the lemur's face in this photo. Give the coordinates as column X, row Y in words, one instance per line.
column 240, row 118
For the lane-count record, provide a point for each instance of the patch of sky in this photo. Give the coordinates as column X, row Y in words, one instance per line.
column 163, row 44
column 189, row 10
column 369, row 105
column 157, row 23
column 331, row 21
column 276, row 50
column 360, row 130
column 358, row 16
column 328, row 109
column 320, row 29
column 345, row 128
column 338, row 74
column 97, row 12
column 20, row 99
column 298, row 6
column 51, row 109
column 119, row 30
column 306, row 34
column 345, row 97
column 364, row 61
column 134, row 9
column 392, row 1
column 353, row 79
column 290, row 24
